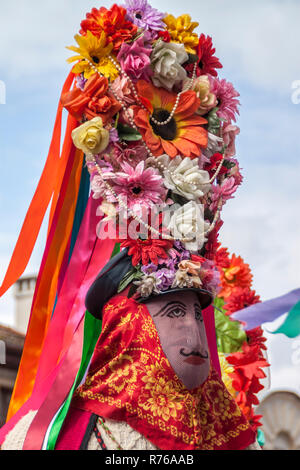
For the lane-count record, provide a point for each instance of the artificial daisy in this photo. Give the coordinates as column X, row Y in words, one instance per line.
column 113, row 22
column 181, row 31
column 208, row 62
column 183, row 135
column 144, row 16
column 147, row 251
column 139, row 186
column 93, row 51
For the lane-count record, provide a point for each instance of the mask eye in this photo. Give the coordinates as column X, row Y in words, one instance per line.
column 198, row 314
column 175, row 312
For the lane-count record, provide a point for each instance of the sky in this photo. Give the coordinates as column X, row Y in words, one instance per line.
column 258, row 44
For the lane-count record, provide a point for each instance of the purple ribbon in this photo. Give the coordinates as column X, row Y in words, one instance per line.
column 267, row 311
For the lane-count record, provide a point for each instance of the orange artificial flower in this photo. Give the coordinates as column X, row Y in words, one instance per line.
column 236, row 275
column 92, row 101
column 183, row 135
column 113, row 22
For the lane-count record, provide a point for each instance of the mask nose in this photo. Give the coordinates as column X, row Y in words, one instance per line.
column 192, row 336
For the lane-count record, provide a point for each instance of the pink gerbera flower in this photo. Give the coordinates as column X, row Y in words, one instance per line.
column 139, row 186
column 227, row 99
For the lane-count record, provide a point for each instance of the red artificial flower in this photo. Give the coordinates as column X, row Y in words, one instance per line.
column 93, row 101
column 256, row 338
column 147, row 251
column 254, row 420
column 198, row 259
column 212, row 245
column 222, row 258
column 237, row 274
column 249, row 362
column 240, row 299
column 113, row 22
column 208, row 62
column 214, row 164
column 165, row 36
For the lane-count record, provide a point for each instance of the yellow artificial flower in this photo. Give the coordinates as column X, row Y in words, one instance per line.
column 93, row 50
column 227, row 369
column 181, row 31
column 91, row 137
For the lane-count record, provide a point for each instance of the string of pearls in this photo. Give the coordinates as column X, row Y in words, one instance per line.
column 160, row 165
column 158, row 123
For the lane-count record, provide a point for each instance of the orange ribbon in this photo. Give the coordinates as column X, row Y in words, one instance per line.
column 38, row 206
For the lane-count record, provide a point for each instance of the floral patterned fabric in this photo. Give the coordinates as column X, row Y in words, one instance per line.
column 131, row 380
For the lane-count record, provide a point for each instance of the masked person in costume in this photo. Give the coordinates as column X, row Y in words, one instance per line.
column 155, row 127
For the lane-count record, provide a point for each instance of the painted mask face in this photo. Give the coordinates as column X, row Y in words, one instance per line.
column 179, row 322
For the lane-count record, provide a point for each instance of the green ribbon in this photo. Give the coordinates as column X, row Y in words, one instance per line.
column 261, row 437
column 116, row 250
column 291, row 325
column 92, row 331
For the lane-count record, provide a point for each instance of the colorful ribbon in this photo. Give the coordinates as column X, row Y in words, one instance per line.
column 46, row 287
column 38, row 206
column 268, row 311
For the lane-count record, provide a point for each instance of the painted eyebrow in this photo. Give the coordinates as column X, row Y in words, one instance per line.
column 175, row 302
column 198, row 306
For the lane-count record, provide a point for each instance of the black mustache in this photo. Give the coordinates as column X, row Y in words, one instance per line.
column 193, row 353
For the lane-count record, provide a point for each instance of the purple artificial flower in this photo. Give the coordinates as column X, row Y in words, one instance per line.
column 165, row 278
column 144, row 16
column 81, row 81
column 178, row 245
column 185, row 255
column 135, row 60
column 113, row 136
column 149, row 268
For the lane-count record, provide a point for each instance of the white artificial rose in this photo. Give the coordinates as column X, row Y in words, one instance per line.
column 166, row 61
column 184, row 177
column 91, row 137
column 188, row 223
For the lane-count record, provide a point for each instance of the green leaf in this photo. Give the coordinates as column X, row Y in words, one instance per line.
column 219, row 303
column 117, row 121
column 128, row 133
column 230, row 336
column 131, row 276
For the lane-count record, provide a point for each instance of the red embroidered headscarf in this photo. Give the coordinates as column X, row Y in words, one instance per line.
column 131, row 380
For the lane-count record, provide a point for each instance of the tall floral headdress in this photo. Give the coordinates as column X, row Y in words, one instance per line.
column 157, row 126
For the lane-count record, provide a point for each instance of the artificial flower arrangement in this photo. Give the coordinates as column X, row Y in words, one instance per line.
column 157, row 126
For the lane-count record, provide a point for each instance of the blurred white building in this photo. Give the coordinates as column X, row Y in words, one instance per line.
column 281, row 420
column 23, row 295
